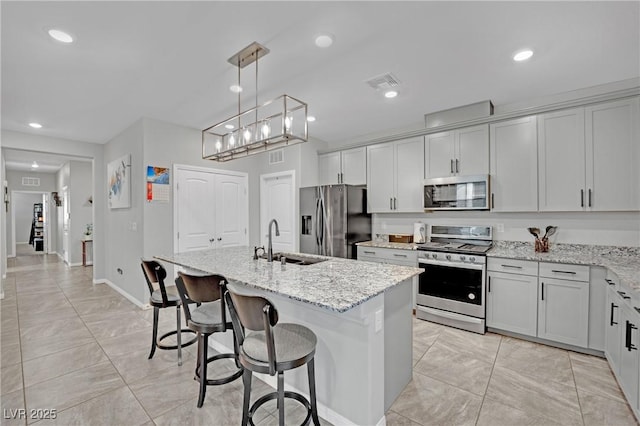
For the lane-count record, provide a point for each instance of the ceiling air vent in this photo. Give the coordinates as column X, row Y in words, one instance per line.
column 30, row 181
column 276, row 156
column 383, row 82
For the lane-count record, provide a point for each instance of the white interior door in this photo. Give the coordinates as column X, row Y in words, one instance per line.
column 66, row 219
column 196, row 199
column 278, row 201
column 231, row 213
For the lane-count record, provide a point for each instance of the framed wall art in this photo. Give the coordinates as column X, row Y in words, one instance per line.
column 119, row 181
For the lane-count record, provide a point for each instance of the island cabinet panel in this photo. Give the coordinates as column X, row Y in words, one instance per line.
column 613, row 155
column 563, row 311
column 514, row 165
column 512, row 302
column 395, row 174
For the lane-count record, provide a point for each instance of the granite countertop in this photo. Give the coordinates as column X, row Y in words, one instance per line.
column 336, row 284
column 623, row 261
column 386, row 244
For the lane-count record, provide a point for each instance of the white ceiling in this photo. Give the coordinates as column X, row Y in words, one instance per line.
column 168, row 60
column 48, row 163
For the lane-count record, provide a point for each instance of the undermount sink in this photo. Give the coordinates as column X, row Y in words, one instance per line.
column 294, row 259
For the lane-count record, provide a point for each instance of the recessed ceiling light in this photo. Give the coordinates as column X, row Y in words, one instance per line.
column 311, row 119
column 229, row 126
column 523, row 55
column 35, row 125
column 324, row 40
column 235, row 88
column 390, row 94
column 60, row 36
column 34, row 165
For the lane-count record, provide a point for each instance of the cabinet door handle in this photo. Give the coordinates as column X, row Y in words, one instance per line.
column 338, row 177
column 390, row 203
column 493, row 204
column 624, row 295
column 582, row 198
column 628, row 343
column 211, row 240
column 511, row 266
column 611, row 321
column 637, row 309
column 341, row 177
column 609, row 281
column 451, row 165
column 489, row 284
column 589, row 197
column 395, row 204
column 457, row 164
column 220, row 239
column 399, row 255
column 542, row 291
column 562, row 272
column 368, row 252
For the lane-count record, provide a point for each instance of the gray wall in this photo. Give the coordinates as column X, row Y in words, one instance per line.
column 80, row 189
column 23, row 214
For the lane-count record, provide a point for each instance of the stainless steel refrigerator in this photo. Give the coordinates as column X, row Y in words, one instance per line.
column 333, row 219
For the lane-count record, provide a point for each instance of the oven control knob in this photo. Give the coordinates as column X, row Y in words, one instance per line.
column 448, row 257
column 435, row 256
column 472, row 259
column 462, row 258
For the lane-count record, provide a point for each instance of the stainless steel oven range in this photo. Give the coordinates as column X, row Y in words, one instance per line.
column 451, row 291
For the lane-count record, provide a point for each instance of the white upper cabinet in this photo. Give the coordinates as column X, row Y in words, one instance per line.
column 395, row 176
column 348, row 166
column 514, row 165
column 561, row 156
column 329, row 168
column 588, row 158
column 457, row 152
column 613, row 155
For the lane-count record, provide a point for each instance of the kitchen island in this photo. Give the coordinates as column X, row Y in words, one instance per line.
column 360, row 311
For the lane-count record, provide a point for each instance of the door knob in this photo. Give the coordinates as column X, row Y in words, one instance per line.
column 220, row 239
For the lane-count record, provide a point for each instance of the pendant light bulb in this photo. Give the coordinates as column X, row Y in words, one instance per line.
column 247, row 135
column 232, row 140
column 288, row 121
column 218, row 146
column 266, row 129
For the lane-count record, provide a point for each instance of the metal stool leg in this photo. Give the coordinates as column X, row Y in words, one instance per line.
column 203, row 367
column 156, row 310
column 281, row 398
column 312, row 392
column 246, row 380
column 179, row 335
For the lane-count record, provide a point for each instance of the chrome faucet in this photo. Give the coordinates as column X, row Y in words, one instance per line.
column 270, row 247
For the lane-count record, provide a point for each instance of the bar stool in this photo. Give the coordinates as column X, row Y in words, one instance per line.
column 161, row 297
column 210, row 316
column 271, row 347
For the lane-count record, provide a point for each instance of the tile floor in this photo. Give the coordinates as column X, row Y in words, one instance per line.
column 82, row 349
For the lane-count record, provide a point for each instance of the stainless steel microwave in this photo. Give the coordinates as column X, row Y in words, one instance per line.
column 457, row 193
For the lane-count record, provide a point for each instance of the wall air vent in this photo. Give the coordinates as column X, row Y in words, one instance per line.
column 276, row 156
column 383, row 82
column 30, row 181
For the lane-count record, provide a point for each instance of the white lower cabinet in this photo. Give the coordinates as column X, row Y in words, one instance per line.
column 612, row 329
column 522, row 300
column 392, row 256
column 512, row 302
column 629, row 359
column 563, row 311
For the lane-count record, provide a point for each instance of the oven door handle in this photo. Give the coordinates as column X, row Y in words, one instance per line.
column 451, row 264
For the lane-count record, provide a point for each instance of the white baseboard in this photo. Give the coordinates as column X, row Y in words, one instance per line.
column 122, row 292
column 72, row 265
column 323, row 411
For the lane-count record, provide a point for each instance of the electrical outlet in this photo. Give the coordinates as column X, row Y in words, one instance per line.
column 500, row 227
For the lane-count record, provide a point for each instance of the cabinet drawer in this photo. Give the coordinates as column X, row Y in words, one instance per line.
column 513, row 266
column 397, row 256
column 564, row 271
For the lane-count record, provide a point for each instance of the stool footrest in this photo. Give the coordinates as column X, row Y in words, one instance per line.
column 222, row 380
column 160, row 345
column 274, row 395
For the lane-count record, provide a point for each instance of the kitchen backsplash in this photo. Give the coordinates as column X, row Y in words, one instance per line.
column 620, row 229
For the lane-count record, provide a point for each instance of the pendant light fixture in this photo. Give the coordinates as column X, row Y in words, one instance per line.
column 279, row 122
